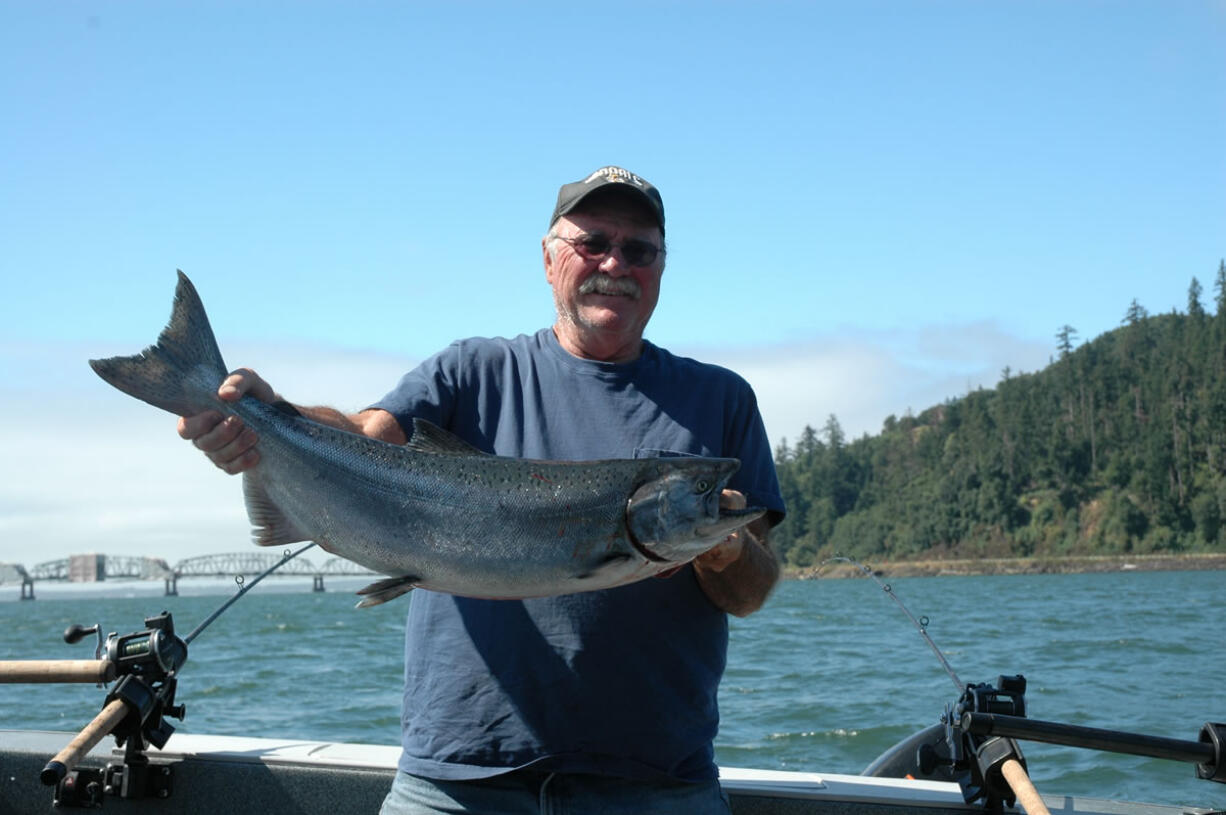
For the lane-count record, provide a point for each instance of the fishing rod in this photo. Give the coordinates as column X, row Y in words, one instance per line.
column 244, row 588
column 147, row 665
column 974, row 743
column 992, row 769
column 921, row 623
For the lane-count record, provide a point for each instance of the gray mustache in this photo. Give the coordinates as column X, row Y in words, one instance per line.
column 617, row 286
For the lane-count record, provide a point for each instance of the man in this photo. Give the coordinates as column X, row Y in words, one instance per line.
column 593, row 702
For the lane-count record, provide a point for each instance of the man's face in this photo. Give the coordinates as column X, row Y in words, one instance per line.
column 603, row 301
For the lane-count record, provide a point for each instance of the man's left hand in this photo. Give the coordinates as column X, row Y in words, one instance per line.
column 728, row 551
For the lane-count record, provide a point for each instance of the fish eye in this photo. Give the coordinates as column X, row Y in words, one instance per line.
column 702, row 485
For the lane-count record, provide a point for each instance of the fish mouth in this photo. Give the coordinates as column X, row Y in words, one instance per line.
column 705, row 536
column 646, row 552
column 730, row 520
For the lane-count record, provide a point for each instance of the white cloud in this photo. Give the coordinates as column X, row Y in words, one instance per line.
column 863, row 377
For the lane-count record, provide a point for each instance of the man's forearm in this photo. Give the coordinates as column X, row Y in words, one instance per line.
column 330, row 416
column 377, row 424
column 743, row 586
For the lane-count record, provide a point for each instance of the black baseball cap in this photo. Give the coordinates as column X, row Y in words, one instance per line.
column 610, row 178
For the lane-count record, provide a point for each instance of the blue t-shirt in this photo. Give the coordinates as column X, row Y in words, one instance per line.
column 621, row 681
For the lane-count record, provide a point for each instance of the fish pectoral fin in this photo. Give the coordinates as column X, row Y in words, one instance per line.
column 270, row 527
column 430, row 438
column 383, row 590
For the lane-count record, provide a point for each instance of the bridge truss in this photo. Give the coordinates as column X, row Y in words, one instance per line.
column 94, row 568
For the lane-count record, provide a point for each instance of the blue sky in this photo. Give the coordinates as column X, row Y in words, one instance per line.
column 872, row 206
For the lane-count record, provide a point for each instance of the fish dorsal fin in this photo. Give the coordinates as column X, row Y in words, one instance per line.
column 430, row 438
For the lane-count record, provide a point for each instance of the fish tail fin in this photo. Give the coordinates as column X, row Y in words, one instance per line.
column 182, row 372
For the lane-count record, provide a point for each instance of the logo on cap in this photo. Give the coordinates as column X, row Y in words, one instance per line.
column 608, row 174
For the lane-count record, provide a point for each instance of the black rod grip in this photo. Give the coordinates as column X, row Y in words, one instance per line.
column 53, row 773
column 1113, row 741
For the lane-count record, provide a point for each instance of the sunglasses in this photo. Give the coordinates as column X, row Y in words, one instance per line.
column 596, row 246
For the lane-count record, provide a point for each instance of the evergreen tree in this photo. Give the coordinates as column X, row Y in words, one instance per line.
column 1219, row 286
column 1135, row 314
column 834, row 432
column 1064, row 339
column 1195, row 309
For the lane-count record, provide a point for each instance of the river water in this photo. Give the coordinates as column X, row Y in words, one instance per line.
column 825, row 678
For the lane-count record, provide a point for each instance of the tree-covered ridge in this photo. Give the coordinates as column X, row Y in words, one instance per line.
column 1118, row 446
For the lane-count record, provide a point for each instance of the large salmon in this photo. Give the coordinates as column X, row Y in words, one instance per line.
column 437, row 512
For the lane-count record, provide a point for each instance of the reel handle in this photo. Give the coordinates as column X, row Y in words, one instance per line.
column 86, row 740
column 76, row 632
column 41, row 671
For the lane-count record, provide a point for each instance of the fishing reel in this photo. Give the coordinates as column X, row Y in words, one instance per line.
column 976, row 762
column 154, row 652
column 146, row 664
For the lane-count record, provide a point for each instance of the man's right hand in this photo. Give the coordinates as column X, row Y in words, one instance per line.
column 228, row 443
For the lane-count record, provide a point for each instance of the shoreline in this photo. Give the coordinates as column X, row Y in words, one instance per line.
column 970, row 567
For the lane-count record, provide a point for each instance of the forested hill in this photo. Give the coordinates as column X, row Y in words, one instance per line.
column 1118, row 446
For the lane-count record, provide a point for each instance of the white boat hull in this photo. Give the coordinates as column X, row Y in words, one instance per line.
column 238, row 776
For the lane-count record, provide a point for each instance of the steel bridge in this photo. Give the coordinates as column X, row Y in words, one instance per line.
column 16, row 573
column 93, row 567
column 98, row 568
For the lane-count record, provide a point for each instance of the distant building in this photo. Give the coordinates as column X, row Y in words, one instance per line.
column 87, row 568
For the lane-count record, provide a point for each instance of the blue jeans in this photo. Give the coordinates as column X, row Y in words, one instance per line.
column 525, row 792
